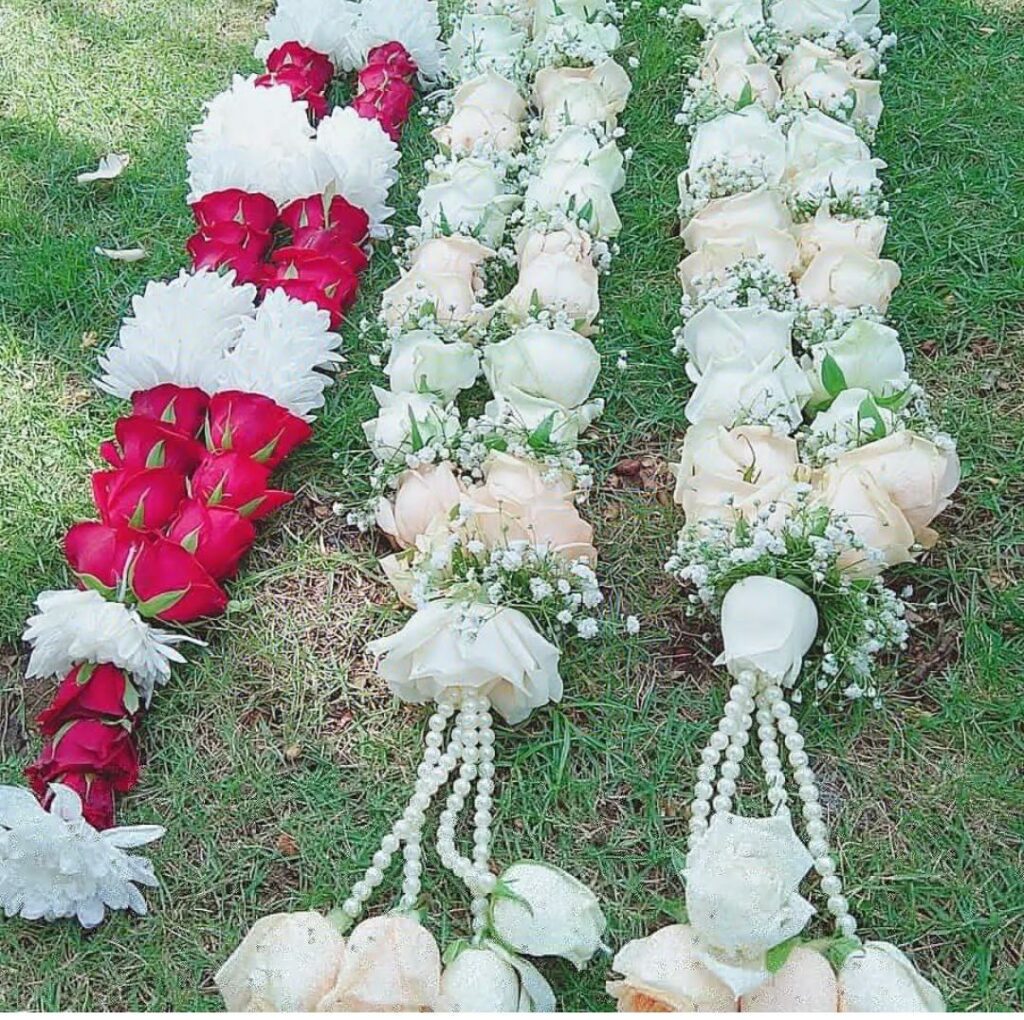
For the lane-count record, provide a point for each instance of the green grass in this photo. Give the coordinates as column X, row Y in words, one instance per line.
column 281, row 728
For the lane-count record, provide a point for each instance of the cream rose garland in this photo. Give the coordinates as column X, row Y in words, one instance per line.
column 811, row 465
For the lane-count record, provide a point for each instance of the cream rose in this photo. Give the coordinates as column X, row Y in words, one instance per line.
column 740, row 138
column 747, row 13
column 392, row 965
column 424, row 495
column 817, row 17
column 869, row 356
column 712, row 263
column 880, row 979
column 580, row 95
column 471, row 197
column 847, row 277
column 663, row 974
column 731, row 80
column 390, row 432
column 741, row 895
column 488, row 979
column 826, row 231
column 484, row 42
column 815, row 139
column 725, row 49
column 806, row 983
column 487, row 110
column 285, row 964
column 575, row 189
column 568, row 240
column 560, row 282
column 854, row 416
column 495, row 651
column 831, row 84
column 420, row 361
column 723, row 219
column 731, row 332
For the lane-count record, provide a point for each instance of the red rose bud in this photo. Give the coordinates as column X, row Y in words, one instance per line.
column 389, row 106
column 317, row 68
column 145, row 442
column 217, row 536
column 230, row 246
column 255, row 425
column 301, row 88
column 89, row 691
column 172, row 585
column 395, row 57
column 320, row 213
column 182, row 408
column 100, row 554
column 233, row 205
column 232, row 479
column 328, row 244
column 144, row 498
column 97, row 797
column 87, row 746
column 307, row 276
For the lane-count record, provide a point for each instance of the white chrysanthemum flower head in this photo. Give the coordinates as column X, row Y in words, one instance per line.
column 415, row 24
column 179, row 330
column 257, row 139
column 327, row 26
column 279, row 354
column 362, row 160
column 74, row 626
column 54, row 864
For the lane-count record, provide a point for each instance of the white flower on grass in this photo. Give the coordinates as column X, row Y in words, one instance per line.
column 75, row 626
column 177, row 333
column 468, row 196
column 420, row 361
column 54, row 864
column 817, row 17
column 847, row 277
column 414, row 23
column 403, row 417
column 483, row 42
column 748, row 13
column 486, row 110
column 541, row 910
column 880, row 978
column 580, row 95
column 827, row 231
column 741, row 138
column 327, row 26
column 489, row 979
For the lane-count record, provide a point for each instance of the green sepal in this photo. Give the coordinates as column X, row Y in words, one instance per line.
column 161, row 603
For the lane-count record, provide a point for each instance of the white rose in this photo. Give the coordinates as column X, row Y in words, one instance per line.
column 815, row 139
column 558, row 282
column 392, row 966
column 767, row 626
column 836, row 178
column 420, row 361
column 736, row 216
column 568, row 240
column 851, row 418
column 831, row 84
column 731, row 80
column 424, row 495
column 578, row 190
column 487, row 109
column 578, row 146
column 852, row 490
column 826, row 231
column 468, row 197
column 488, row 979
column 391, row 431
column 918, row 476
column 880, row 979
column 735, row 12
column 285, row 964
column 741, row 894
column 712, row 263
column 725, row 49
column 805, row 983
column 818, row 17
column 580, row 95
column 663, row 974
column 505, row 658
column 539, row 371
column 847, row 277
column 484, row 41
column 741, row 138
column 729, row 332
column 594, row 38
column 868, row 354
column 548, row 913
column 749, row 466
column 731, row 389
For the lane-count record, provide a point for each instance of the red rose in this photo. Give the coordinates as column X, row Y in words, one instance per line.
column 329, row 245
column 97, row 797
column 89, row 691
column 146, row 442
column 389, row 105
column 87, row 746
column 255, row 425
column 144, row 498
column 232, row 479
column 320, row 213
column 172, row 585
column 183, row 408
column 301, row 88
column 395, row 57
column 307, row 276
column 230, row 245
column 233, row 205
column 217, row 536
column 315, row 66
column 98, row 552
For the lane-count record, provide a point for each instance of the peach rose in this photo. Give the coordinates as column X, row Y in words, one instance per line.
column 806, row 983
column 827, row 231
column 560, row 282
column 486, row 109
column 848, row 277
column 724, row 219
column 423, row 496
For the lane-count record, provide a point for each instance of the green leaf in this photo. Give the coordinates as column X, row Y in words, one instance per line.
column 84, row 674
column 587, row 211
column 138, row 517
column 340, row 920
column 746, row 97
column 415, row 434
column 217, row 496
column 678, row 859
column 454, row 950
column 540, row 437
column 894, row 401
column 161, row 603
column 251, row 507
column 832, row 377
column 776, row 957
column 868, row 411
column 503, row 891
column 190, row 542
column 839, row 948
column 264, row 453
column 676, row 909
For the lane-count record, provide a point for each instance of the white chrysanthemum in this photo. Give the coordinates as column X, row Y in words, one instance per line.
column 361, row 161
column 54, row 864
column 279, row 353
column 414, row 23
column 75, row 626
column 179, row 330
column 257, row 139
column 327, row 26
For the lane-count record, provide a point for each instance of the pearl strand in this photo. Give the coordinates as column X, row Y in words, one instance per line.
column 771, row 763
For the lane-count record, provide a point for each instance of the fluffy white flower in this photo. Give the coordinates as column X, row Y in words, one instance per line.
column 54, row 864
column 504, row 658
column 361, row 161
column 548, row 913
column 279, row 353
column 767, row 626
column 819, row 17
column 484, row 42
column 741, row 894
column 743, row 137
column 868, row 354
column 469, row 196
column 729, row 332
column 327, row 26
column 880, row 979
column 413, row 23
column 75, row 626
column 420, row 362
column 489, row 979
column 580, row 95
column 391, row 432
column 178, row 333
column 736, row 12
column 846, row 277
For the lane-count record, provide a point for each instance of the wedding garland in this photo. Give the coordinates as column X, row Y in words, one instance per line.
column 801, row 480
column 515, row 224
column 223, row 368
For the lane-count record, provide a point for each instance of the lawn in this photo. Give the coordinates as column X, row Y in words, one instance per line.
column 276, row 757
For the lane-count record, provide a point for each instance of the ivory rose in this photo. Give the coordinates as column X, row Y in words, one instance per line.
column 285, row 964
column 880, row 979
column 500, row 655
column 736, row 12
column 820, row 77
column 847, row 277
column 731, row 80
column 580, row 95
column 488, row 979
column 750, row 466
column 730, row 47
column 487, row 110
column 869, row 356
column 663, row 974
column 392, row 965
column 571, row 188
column 741, row 895
column 424, row 495
column 420, row 361
column 568, row 240
column 511, row 478
column 826, row 231
column 390, row 432
column 740, row 138
column 729, row 332
column 806, row 983
column 814, row 139
column 918, row 476
column 471, row 197
column 549, row 913
column 723, row 219
column 853, row 416
column 711, row 264
column 576, row 22
column 484, row 41
column 767, row 626
column 560, row 282
column 816, row 17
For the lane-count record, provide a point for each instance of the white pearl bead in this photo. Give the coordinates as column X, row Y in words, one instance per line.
column 808, row 792
column 803, row 776
column 360, row 891
column 847, row 924
column 703, row 791
column 730, row 770
column 818, row 847
column 486, row 882
column 719, row 741
column 401, row 829
column 485, row 786
column 838, row 905
column 705, row 773
column 772, row 695
column 794, row 742
column 825, row 866
column 373, row 877
column 817, row 829
column 812, row 812
column 798, row 759
column 351, row 907
column 726, row 727
column 734, row 752
column 741, row 739
column 710, row 756
column 726, row 787
column 381, row 859
column 698, row 825
column 722, row 804
column 765, row 719
column 776, row 795
column 788, row 726
column 413, row 852
column 831, row 885
column 389, row 844
column 700, row 808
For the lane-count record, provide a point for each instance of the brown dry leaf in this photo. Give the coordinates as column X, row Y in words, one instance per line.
column 287, row 845
column 292, row 753
column 89, row 339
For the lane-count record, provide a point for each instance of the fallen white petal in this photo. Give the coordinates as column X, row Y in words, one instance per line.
column 122, row 254
column 112, row 165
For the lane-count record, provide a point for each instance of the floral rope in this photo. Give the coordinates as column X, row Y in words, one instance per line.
column 803, row 476
column 223, row 368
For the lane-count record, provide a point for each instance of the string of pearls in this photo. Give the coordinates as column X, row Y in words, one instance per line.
column 774, row 720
